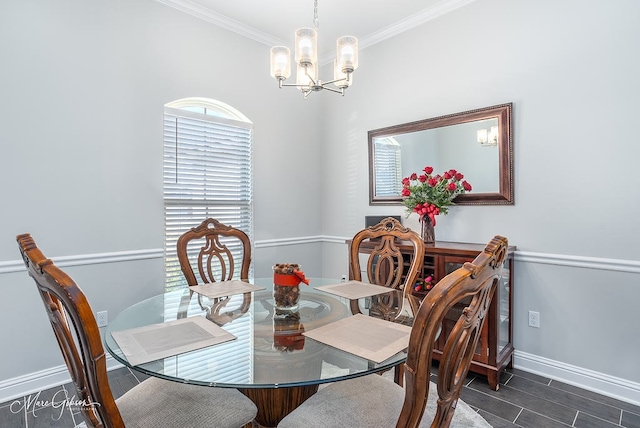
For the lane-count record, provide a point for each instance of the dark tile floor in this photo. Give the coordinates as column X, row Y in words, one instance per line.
column 532, row 401
column 523, row 400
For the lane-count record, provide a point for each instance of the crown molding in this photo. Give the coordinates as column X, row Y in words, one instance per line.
column 223, row 21
column 441, row 8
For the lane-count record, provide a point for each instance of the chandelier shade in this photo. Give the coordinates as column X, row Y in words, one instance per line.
column 280, row 62
column 306, row 60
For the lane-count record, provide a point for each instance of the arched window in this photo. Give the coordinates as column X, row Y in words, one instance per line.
column 207, row 172
column 388, row 167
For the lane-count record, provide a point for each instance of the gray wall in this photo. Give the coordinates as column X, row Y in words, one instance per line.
column 571, row 70
column 83, row 85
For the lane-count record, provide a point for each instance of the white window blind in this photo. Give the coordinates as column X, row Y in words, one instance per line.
column 388, row 167
column 207, row 173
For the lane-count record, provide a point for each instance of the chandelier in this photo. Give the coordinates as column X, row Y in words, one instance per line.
column 306, row 57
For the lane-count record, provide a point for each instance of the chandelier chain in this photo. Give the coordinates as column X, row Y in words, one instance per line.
column 316, row 23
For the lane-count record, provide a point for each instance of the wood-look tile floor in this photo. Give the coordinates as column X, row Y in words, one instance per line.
column 523, row 400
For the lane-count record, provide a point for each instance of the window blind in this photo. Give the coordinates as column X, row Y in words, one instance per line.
column 388, row 168
column 207, row 171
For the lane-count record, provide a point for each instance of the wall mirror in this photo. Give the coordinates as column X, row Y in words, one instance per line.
column 478, row 143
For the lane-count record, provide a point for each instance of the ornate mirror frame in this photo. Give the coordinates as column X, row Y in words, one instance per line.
column 503, row 114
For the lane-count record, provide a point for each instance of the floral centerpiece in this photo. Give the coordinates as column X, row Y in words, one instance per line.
column 430, row 195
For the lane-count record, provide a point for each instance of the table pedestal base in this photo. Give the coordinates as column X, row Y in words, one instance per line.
column 276, row 403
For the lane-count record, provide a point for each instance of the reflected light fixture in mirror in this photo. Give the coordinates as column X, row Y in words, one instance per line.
column 488, row 137
column 306, row 58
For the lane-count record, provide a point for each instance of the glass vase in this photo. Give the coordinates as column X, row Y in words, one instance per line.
column 286, row 288
column 428, row 231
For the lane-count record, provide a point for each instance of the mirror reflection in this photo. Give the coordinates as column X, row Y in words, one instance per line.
column 476, row 142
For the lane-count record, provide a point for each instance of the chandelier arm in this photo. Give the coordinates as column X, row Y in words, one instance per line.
column 343, row 79
column 306, row 72
column 337, row 91
column 294, row 85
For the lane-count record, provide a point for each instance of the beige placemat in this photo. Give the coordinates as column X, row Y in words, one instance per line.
column 354, row 289
column 224, row 288
column 364, row 336
column 153, row 342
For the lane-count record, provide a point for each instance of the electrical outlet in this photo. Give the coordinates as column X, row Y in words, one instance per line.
column 344, row 278
column 102, row 318
column 534, row 319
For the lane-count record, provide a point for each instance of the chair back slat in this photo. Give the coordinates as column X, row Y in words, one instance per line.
column 385, row 263
column 211, row 250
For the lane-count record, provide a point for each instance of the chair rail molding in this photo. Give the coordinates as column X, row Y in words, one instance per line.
column 599, row 263
column 631, row 266
column 89, row 259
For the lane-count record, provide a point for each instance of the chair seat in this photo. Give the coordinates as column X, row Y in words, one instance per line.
column 372, row 401
column 156, row 403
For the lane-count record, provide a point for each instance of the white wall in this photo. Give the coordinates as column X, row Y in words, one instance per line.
column 571, row 70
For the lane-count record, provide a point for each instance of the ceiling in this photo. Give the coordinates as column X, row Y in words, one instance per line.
column 274, row 22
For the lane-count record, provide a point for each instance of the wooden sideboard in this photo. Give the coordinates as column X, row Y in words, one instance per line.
column 495, row 349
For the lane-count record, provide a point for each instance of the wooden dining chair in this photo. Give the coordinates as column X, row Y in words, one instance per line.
column 216, row 252
column 374, row 401
column 385, row 263
column 154, row 402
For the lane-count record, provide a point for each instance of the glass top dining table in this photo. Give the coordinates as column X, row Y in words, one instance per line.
column 270, row 359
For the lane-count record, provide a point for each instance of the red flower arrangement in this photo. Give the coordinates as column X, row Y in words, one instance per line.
column 429, row 195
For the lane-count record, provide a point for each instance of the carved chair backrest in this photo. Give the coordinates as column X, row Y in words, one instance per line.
column 385, row 262
column 472, row 286
column 212, row 250
column 77, row 334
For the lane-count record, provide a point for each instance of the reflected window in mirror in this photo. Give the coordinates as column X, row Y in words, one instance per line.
column 388, row 166
column 477, row 142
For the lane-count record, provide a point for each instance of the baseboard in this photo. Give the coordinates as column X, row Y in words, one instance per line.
column 17, row 387
column 611, row 386
column 600, row 383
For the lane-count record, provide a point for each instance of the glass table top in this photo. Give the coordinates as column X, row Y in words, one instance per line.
column 270, row 350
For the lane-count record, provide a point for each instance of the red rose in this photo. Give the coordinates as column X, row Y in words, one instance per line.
column 432, row 182
column 422, row 178
column 447, row 175
column 406, row 191
column 405, row 181
column 466, row 186
column 452, row 186
column 428, row 170
column 453, row 172
column 413, row 176
column 459, row 176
